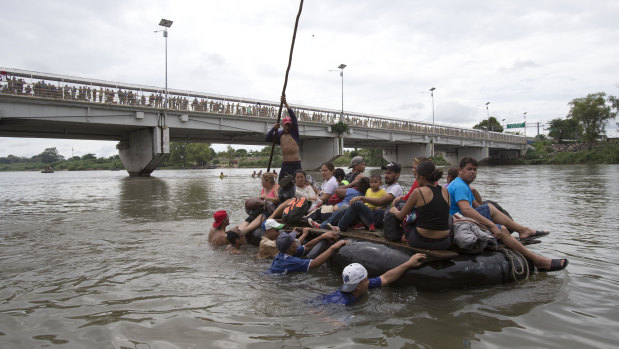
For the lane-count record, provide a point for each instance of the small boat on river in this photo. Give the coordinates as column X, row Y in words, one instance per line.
column 47, row 169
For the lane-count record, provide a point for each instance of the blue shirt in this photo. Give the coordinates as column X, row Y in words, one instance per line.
column 350, row 193
column 283, row 263
column 458, row 191
column 346, row 298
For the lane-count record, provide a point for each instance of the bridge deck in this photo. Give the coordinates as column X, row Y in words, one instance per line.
column 89, row 91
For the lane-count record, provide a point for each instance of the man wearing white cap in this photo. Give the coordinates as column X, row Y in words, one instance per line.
column 290, row 252
column 356, row 282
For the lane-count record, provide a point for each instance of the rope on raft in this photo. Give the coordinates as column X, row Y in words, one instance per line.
column 524, row 266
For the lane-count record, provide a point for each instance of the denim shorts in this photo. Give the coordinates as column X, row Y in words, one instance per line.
column 484, row 210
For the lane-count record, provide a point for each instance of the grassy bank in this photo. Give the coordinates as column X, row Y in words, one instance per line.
column 547, row 153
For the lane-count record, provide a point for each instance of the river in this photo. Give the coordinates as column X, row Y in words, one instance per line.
column 96, row 259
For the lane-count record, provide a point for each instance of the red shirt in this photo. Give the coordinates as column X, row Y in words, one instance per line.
column 415, row 186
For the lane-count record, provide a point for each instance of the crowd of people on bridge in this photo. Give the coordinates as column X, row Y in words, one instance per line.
column 90, row 92
column 424, row 218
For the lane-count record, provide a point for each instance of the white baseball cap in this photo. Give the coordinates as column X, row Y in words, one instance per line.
column 271, row 223
column 352, row 275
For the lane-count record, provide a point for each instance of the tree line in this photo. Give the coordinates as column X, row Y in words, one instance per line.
column 585, row 122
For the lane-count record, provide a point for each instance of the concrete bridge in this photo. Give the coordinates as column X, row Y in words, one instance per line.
column 46, row 105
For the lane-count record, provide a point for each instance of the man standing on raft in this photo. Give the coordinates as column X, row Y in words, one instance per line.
column 288, row 139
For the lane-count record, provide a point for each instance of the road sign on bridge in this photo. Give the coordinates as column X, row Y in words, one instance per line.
column 521, row 125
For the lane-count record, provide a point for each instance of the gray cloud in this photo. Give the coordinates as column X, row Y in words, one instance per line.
column 521, row 56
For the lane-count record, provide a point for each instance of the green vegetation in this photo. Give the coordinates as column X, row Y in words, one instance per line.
column 51, row 157
column 575, row 153
column 592, row 113
column 339, row 128
column 495, row 126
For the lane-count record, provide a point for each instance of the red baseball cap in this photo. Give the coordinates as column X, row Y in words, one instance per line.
column 287, row 120
column 219, row 216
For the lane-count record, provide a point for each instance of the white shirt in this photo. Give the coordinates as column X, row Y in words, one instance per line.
column 330, row 186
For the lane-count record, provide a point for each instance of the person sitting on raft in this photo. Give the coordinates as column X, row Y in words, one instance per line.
column 463, row 202
column 357, row 164
column 302, row 189
column 356, row 283
column 329, row 182
column 288, row 259
column 289, row 141
column 375, row 192
column 359, row 211
column 342, row 207
column 217, row 234
column 431, row 231
column 269, row 192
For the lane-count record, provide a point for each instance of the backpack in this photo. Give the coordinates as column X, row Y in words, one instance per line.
column 295, row 210
column 392, row 227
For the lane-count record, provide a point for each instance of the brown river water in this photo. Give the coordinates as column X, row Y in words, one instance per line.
column 100, row 260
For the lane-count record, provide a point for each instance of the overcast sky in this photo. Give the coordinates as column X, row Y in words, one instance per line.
column 521, row 56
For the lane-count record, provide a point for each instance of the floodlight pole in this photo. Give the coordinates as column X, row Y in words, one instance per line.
column 341, row 68
column 166, row 23
column 432, row 94
column 488, row 111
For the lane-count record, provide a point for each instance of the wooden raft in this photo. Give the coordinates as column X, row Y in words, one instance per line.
column 375, row 237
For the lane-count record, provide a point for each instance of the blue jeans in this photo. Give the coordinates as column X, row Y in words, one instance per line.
column 335, row 217
column 357, row 210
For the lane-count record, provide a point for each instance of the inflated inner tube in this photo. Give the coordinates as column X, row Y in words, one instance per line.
column 465, row 271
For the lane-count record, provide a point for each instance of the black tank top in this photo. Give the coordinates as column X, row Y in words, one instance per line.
column 434, row 215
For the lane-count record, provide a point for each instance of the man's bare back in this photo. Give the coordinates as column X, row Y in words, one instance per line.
column 217, row 237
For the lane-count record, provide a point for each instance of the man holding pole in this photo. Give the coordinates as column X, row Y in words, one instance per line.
column 288, row 139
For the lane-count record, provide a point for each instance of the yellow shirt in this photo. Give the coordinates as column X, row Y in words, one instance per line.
column 374, row 194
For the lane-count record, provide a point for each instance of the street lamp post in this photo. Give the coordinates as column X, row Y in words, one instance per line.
column 525, row 124
column 341, row 68
column 432, row 94
column 488, row 111
column 166, row 23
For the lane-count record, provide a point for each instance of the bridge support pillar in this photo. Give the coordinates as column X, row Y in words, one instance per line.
column 144, row 149
column 316, row 151
column 405, row 153
column 475, row 153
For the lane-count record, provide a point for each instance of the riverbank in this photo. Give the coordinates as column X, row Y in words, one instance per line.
column 543, row 153
column 546, row 153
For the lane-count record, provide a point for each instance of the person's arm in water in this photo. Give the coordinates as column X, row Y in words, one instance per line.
column 395, row 273
column 318, row 261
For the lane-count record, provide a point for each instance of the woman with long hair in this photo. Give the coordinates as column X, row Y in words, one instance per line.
column 431, row 230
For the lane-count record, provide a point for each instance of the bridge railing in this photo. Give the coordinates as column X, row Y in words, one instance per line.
column 59, row 87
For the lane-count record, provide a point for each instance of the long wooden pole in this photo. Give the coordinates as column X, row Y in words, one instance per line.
column 279, row 113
